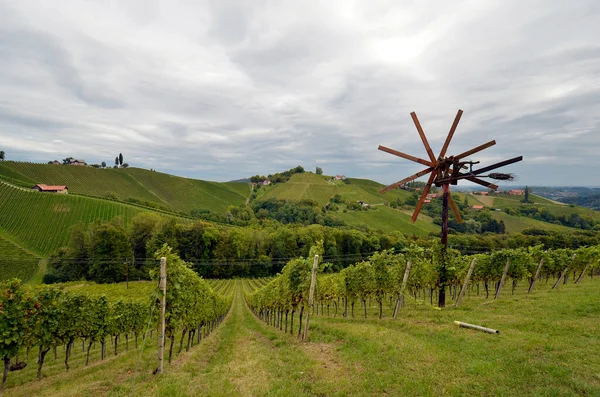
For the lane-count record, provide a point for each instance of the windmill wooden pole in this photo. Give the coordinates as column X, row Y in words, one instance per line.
column 443, row 270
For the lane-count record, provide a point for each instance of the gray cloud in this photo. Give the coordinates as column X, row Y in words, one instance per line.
column 225, row 89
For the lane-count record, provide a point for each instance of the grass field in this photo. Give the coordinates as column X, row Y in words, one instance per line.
column 389, row 220
column 320, row 189
column 549, row 344
column 516, row 224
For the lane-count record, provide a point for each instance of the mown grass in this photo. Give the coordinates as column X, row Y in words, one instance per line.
column 549, row 345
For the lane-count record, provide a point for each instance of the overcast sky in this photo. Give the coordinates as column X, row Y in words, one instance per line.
column 221, row 90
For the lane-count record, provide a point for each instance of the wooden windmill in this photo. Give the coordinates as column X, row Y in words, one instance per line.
column 445, row 171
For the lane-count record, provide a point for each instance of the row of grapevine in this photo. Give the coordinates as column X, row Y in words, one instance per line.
column 49, row 316
column 40, row 221
column 16, row 262
column 380, row 278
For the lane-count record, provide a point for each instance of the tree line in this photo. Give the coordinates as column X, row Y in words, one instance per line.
column 109, row 252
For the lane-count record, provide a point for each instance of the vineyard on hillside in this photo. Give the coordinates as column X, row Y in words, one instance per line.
column 15, row 262
column 82, row 180
column 185, row 194
column 40, row 221
column 47, row 317
column 130, row 184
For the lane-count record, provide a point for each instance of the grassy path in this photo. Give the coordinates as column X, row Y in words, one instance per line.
column 248, row 358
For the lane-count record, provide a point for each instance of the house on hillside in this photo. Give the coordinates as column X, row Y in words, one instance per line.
column 339, row 177
column 78, row 162
column 61, row 189
column 56, row 162
column 266, row 182
column 478, row 207
column 516, row 192
column 427, row 201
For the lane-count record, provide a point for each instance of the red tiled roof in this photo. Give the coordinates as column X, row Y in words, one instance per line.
column 50, row 187
column 478, row 207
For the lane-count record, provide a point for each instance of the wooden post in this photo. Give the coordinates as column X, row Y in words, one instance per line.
column 402, row 288
column 583, row 273
column 162, row 285
column 537, row 275
column 313, row 281
column 443, row 270
column 466, row 283
column 562, row 275
column 502, row 279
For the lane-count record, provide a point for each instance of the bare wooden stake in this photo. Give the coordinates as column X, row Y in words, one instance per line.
column 162, row 285
column 313, row 280
column 402, row 288
column 502, row 279
column 537, row 275
column 466, row 283
column 583, row 273
column 562, row 275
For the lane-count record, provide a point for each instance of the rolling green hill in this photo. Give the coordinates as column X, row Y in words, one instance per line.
column 185, row 194
column 40, row 221
column 133, row 184
column 321, row 188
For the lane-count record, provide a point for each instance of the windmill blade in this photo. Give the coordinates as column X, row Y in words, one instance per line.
column 481, row 182
column 406, row 180
column 450, row 134
column 423, row 197
column 454, row 208
column 423, row 137
column 468, row 177
column 405, row 156
column 497, row 165
column 476, row 149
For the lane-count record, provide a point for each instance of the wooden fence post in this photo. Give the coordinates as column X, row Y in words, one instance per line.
column 537, row 275
column 313, row 281
column 466, row 283
column 402, row 288
column 502, row 279
column 583, row 273
column 162, row 285
column 562, row 275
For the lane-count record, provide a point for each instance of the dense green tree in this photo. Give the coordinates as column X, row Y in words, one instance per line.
column 2, row 155
column 319, row 171
column 109, row 250
column 121, row 158
column 103, row 164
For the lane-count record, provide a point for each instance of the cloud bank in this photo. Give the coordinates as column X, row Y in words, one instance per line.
column 221, row 90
